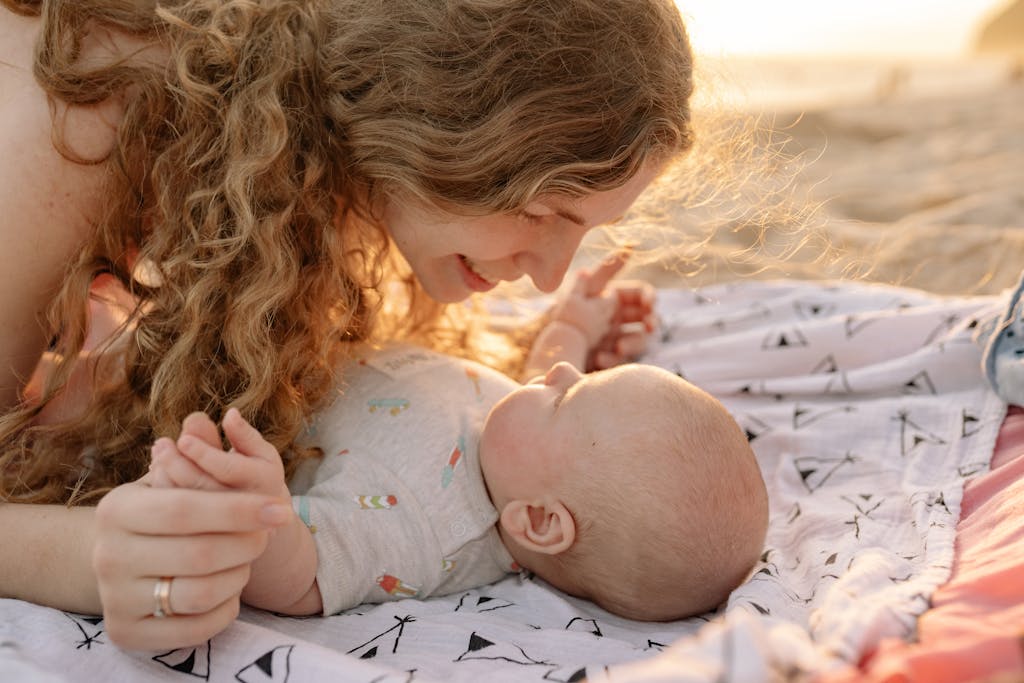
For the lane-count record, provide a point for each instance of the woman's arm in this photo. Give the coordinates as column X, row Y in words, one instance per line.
column 108, row 559
column 53, row 562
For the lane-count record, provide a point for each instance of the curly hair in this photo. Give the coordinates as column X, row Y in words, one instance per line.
column 258, row 140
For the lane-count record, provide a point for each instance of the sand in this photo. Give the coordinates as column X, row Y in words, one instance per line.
column 923, row 190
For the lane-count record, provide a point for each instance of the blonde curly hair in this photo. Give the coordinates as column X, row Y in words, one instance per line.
column 258, row 141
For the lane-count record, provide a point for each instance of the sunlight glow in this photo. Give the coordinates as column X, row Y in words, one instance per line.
column 941, row 28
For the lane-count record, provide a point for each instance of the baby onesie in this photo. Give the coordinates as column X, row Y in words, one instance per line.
column 398, row 506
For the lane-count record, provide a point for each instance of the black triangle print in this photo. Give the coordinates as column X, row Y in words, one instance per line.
column 480, row 648
column 365, row 651
column 946, row 325
column 826, row 365
column 971, row 469
column 476, row 643
column 814, row 309
column 854, row 325
column 273, row 667
column 919, row 384
column 585, row 625
column 191, row 661
column 815, row 472
column 969, row 424
column 752, row 426
column 565, row 675
column 784, row 339
column 803, row 417
column 483, row 603
column 839, row 384
column 912, row 435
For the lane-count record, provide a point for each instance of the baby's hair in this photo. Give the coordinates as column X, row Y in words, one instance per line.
column 258, row 141
column 689, row 462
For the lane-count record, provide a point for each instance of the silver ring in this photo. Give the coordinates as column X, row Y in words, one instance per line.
column 162, row 597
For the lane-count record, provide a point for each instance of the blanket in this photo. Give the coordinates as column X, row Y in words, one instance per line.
column 867, row 409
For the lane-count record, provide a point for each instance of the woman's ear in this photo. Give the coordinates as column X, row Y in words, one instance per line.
column 541, row 526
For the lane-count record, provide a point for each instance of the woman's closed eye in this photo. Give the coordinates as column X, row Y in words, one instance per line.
column 532, row 218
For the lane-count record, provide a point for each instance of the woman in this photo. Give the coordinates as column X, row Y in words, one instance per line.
column 243, row 168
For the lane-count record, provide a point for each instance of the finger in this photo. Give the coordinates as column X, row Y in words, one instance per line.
column 631, row 346
column 607, row 359
column 632, row 314
column 229, row 468
column 635, row 293
column 119, row 559
column 202, row 427
column 176, row 468
column 193, row 594
column 169, row 633
column 157, row 476
column 580, row 284
column 140, row 509
column 247, row 439
column 606, row 271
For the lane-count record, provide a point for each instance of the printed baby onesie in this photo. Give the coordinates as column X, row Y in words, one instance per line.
column 398, row 505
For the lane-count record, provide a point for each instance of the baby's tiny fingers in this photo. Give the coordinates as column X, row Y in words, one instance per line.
column 631, row 346
column 247, row 439
column 201, row 426
column 607, row 359
column 605, row 271
column 231, row 469
column 171, row 468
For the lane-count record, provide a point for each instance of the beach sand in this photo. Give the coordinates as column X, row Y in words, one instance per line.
column 924, row 189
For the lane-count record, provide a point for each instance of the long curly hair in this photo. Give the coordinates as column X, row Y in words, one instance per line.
column 258, row 141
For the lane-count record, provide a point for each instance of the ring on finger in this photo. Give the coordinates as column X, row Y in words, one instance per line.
column 162, row 597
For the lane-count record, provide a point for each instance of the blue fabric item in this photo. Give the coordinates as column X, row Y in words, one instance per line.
column 1003, row 357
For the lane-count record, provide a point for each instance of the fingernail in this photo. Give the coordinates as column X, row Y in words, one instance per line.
column 275, row 513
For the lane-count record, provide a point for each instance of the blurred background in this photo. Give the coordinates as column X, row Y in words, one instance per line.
column 804, row 52
column 882, row 139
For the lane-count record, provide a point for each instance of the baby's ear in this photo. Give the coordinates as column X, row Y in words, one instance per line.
column 541, row 526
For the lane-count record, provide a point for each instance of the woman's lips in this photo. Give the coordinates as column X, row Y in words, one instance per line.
column 473, row 279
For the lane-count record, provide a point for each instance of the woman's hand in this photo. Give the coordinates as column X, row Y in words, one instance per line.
column 283, row 577
column 204, row 541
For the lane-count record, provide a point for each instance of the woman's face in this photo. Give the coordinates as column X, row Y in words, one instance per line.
column 453, row 256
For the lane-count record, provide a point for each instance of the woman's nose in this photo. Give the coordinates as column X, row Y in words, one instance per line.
column 548, row 262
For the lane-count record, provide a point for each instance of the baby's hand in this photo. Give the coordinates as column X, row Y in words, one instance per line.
column 615, row 317
column 197, row 459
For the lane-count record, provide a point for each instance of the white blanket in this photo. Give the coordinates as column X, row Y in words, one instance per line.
column 867, row 410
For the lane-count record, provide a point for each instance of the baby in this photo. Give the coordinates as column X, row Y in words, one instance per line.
column 629, row 487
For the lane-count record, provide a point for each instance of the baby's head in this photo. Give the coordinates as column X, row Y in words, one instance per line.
column 629, row 487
